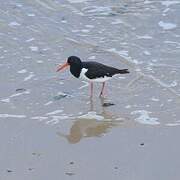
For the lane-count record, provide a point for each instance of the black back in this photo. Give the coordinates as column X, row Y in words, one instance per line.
column 98, row 70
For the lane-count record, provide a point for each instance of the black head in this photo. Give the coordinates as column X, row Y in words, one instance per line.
column 74, row 60
column 75, row 65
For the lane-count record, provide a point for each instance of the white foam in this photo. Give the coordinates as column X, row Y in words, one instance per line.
column 15, row 38
column 27, row 57
column 53, row 121
column 124, row 54
column 22, row 71
column 85, row 30
column 48, row 103
column 34, row 48
column 40, row 118
column 19, row 94
column 167, row 26
column 128, row 106
column 172, row 42
column 12, row 116
column 173, row 124
column 7, row 100
column 144, row 117
column 63, row 21
column 92, row 57
column 89, row 26
column 29, row 40
column 98, row 10
column 147, row 53
column 144, row 37
column 30, row 76
column 19, row 5
column 121, row 53
column 31, row 15
column 91, row 115
column 61, row 83
column 54, row 112
column 166, row 10
column 56, row 119
column 77, row 1
column 46, row 49
column 14, row 23
column 117, row 21
column 174, row 84
column 39, row 61
column 169, row 100
column 169, row 3
column 61, row 117
column 154, row 99
column 121, row 77
column 75, row 30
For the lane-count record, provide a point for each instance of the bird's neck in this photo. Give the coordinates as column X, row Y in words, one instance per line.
column 76, row 70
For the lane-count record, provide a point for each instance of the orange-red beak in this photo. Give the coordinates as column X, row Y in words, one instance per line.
column 61, row 67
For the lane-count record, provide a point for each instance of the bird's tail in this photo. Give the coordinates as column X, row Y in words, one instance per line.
column 123, row 71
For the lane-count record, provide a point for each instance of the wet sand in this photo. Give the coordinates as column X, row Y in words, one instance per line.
column 50, row 128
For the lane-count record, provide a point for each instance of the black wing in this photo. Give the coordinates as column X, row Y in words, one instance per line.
column 97, row 70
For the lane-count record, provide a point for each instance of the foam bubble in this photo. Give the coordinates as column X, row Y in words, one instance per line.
column 91, row 115
column 14, row 23
column 54, row 112
column 12, row 116
column 34, row 48
column 144, row 117
column 167, row 26
column 22, row 71
column 30, row 76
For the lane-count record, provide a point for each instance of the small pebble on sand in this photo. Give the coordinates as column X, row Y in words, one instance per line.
column 9, row 171
column 70, row 173
column 108, row 104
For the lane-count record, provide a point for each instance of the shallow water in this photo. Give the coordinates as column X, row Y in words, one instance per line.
column 47, row 118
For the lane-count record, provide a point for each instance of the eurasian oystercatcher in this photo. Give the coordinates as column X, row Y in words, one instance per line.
column 91, row 71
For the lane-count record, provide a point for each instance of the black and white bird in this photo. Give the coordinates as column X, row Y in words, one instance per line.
column 91, row 71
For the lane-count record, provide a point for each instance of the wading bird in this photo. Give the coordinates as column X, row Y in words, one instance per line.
column 91, row 71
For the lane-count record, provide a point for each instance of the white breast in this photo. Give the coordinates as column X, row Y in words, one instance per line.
column 84, row 77
column 82, row 74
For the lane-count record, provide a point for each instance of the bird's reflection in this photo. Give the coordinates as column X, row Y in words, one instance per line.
column 91, row 124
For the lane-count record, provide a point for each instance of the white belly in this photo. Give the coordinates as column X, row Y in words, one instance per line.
column 83, row 76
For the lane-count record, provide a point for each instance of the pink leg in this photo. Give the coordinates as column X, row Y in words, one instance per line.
column 102, row 90
column 91, row 90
